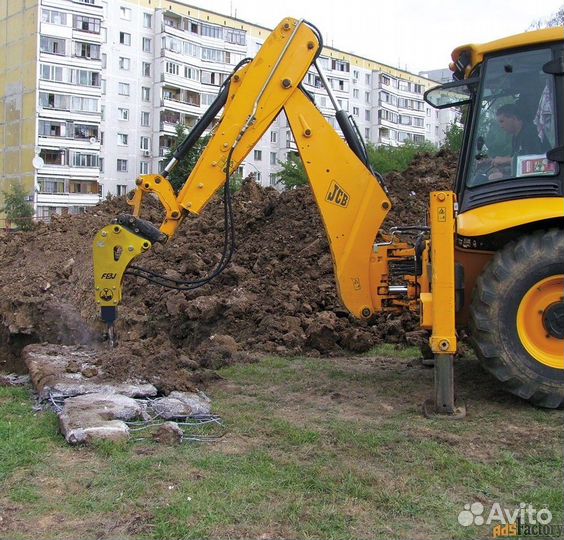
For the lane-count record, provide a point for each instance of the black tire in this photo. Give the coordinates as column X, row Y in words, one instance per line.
column 514, row 270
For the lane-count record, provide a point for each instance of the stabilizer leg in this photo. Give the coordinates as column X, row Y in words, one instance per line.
column 441, row 306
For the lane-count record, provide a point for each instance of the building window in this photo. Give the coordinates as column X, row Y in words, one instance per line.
column 367, row 115
column 146, row 69
column 367, row 97
column 52, row 45
column 84, row 160
column 122, row 165
column 52, row 16
column 367, row 78
column 86, row 24
column 51, row 73
column 356, row 93
column 51, row 185
column 210, row 30
column 146, row 44
column 125, row 38
column 83, row 77
column 124, row 63
column 273, row 136
column 191, row 73
column 123, row 114
column 145, row 119
column 258, row 155
column 273, row 159
column 53, row 101
column 123, row 89
column 214, row 78
column 356, row 111
column 145, row 93
column 125, row 13
column 101, row 162
column 50, row 128
column 403, row 85
column 367, row 133
column 237, row 37
column 143, row 167
column 340, row 65
column 84, row 104
column 144, row 143
column 216, row 55
column 87, row 50
column 121, row 189
column 122, row 139
column 173, row 68
column 52, row 157
column 86, row 131
column 147, row 20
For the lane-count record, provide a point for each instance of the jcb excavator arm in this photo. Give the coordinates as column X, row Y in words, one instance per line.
column 351, row 200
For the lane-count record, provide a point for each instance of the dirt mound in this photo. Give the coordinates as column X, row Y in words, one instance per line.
column 277, row 295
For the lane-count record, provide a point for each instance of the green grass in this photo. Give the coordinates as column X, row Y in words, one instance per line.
column 315, row 448
column 395, row 351
column 23, row 435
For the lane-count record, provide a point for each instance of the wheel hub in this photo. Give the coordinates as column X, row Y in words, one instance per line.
column 553, row 320
column 540, row 321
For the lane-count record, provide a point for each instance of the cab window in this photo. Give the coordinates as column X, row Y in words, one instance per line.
column 515, row 122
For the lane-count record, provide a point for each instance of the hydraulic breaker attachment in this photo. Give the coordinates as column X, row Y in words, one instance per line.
column 115, row 247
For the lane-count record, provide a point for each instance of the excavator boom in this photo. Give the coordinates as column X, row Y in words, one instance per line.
column 352, row 202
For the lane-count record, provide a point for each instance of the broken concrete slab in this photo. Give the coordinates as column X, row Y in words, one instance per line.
column 97, row 417
column 181, row 404
column 64, row 371
column 169, row 408
column 76, row 388
column 198, row 402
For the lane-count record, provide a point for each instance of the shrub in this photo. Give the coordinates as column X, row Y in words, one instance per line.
column 386, row 159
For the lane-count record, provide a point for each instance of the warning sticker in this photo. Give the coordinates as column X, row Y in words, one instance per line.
column 441, row 213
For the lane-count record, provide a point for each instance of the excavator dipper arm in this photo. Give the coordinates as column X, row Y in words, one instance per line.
column 351, row 200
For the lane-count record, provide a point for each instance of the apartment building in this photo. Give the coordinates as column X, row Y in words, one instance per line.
column 94, row 89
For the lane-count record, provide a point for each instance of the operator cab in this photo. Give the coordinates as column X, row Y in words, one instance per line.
column 513, row 129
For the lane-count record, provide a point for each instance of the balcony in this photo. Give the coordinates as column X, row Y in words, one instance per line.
column 65, row 192
column 68, row 199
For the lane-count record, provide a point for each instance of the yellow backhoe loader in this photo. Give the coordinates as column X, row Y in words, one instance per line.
column 490, row 257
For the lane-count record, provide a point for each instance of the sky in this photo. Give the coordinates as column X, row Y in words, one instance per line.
column 399, row 33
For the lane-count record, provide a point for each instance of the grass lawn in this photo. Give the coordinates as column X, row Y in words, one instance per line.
column 315, row 448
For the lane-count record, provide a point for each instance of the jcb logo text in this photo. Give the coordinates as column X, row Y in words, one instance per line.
column 337, row 195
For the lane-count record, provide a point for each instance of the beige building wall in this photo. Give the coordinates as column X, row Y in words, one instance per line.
column 18, row 88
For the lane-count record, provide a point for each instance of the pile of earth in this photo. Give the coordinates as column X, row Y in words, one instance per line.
column 277, row 296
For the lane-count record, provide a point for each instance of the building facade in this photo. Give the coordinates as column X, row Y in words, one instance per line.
column 94, row 90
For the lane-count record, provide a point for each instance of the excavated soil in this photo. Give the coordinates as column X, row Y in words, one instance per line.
column 277, row 296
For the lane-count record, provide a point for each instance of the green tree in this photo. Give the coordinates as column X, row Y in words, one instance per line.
column 454, row 136
column 183, row 168
column 293, row 173
column 17, row 208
